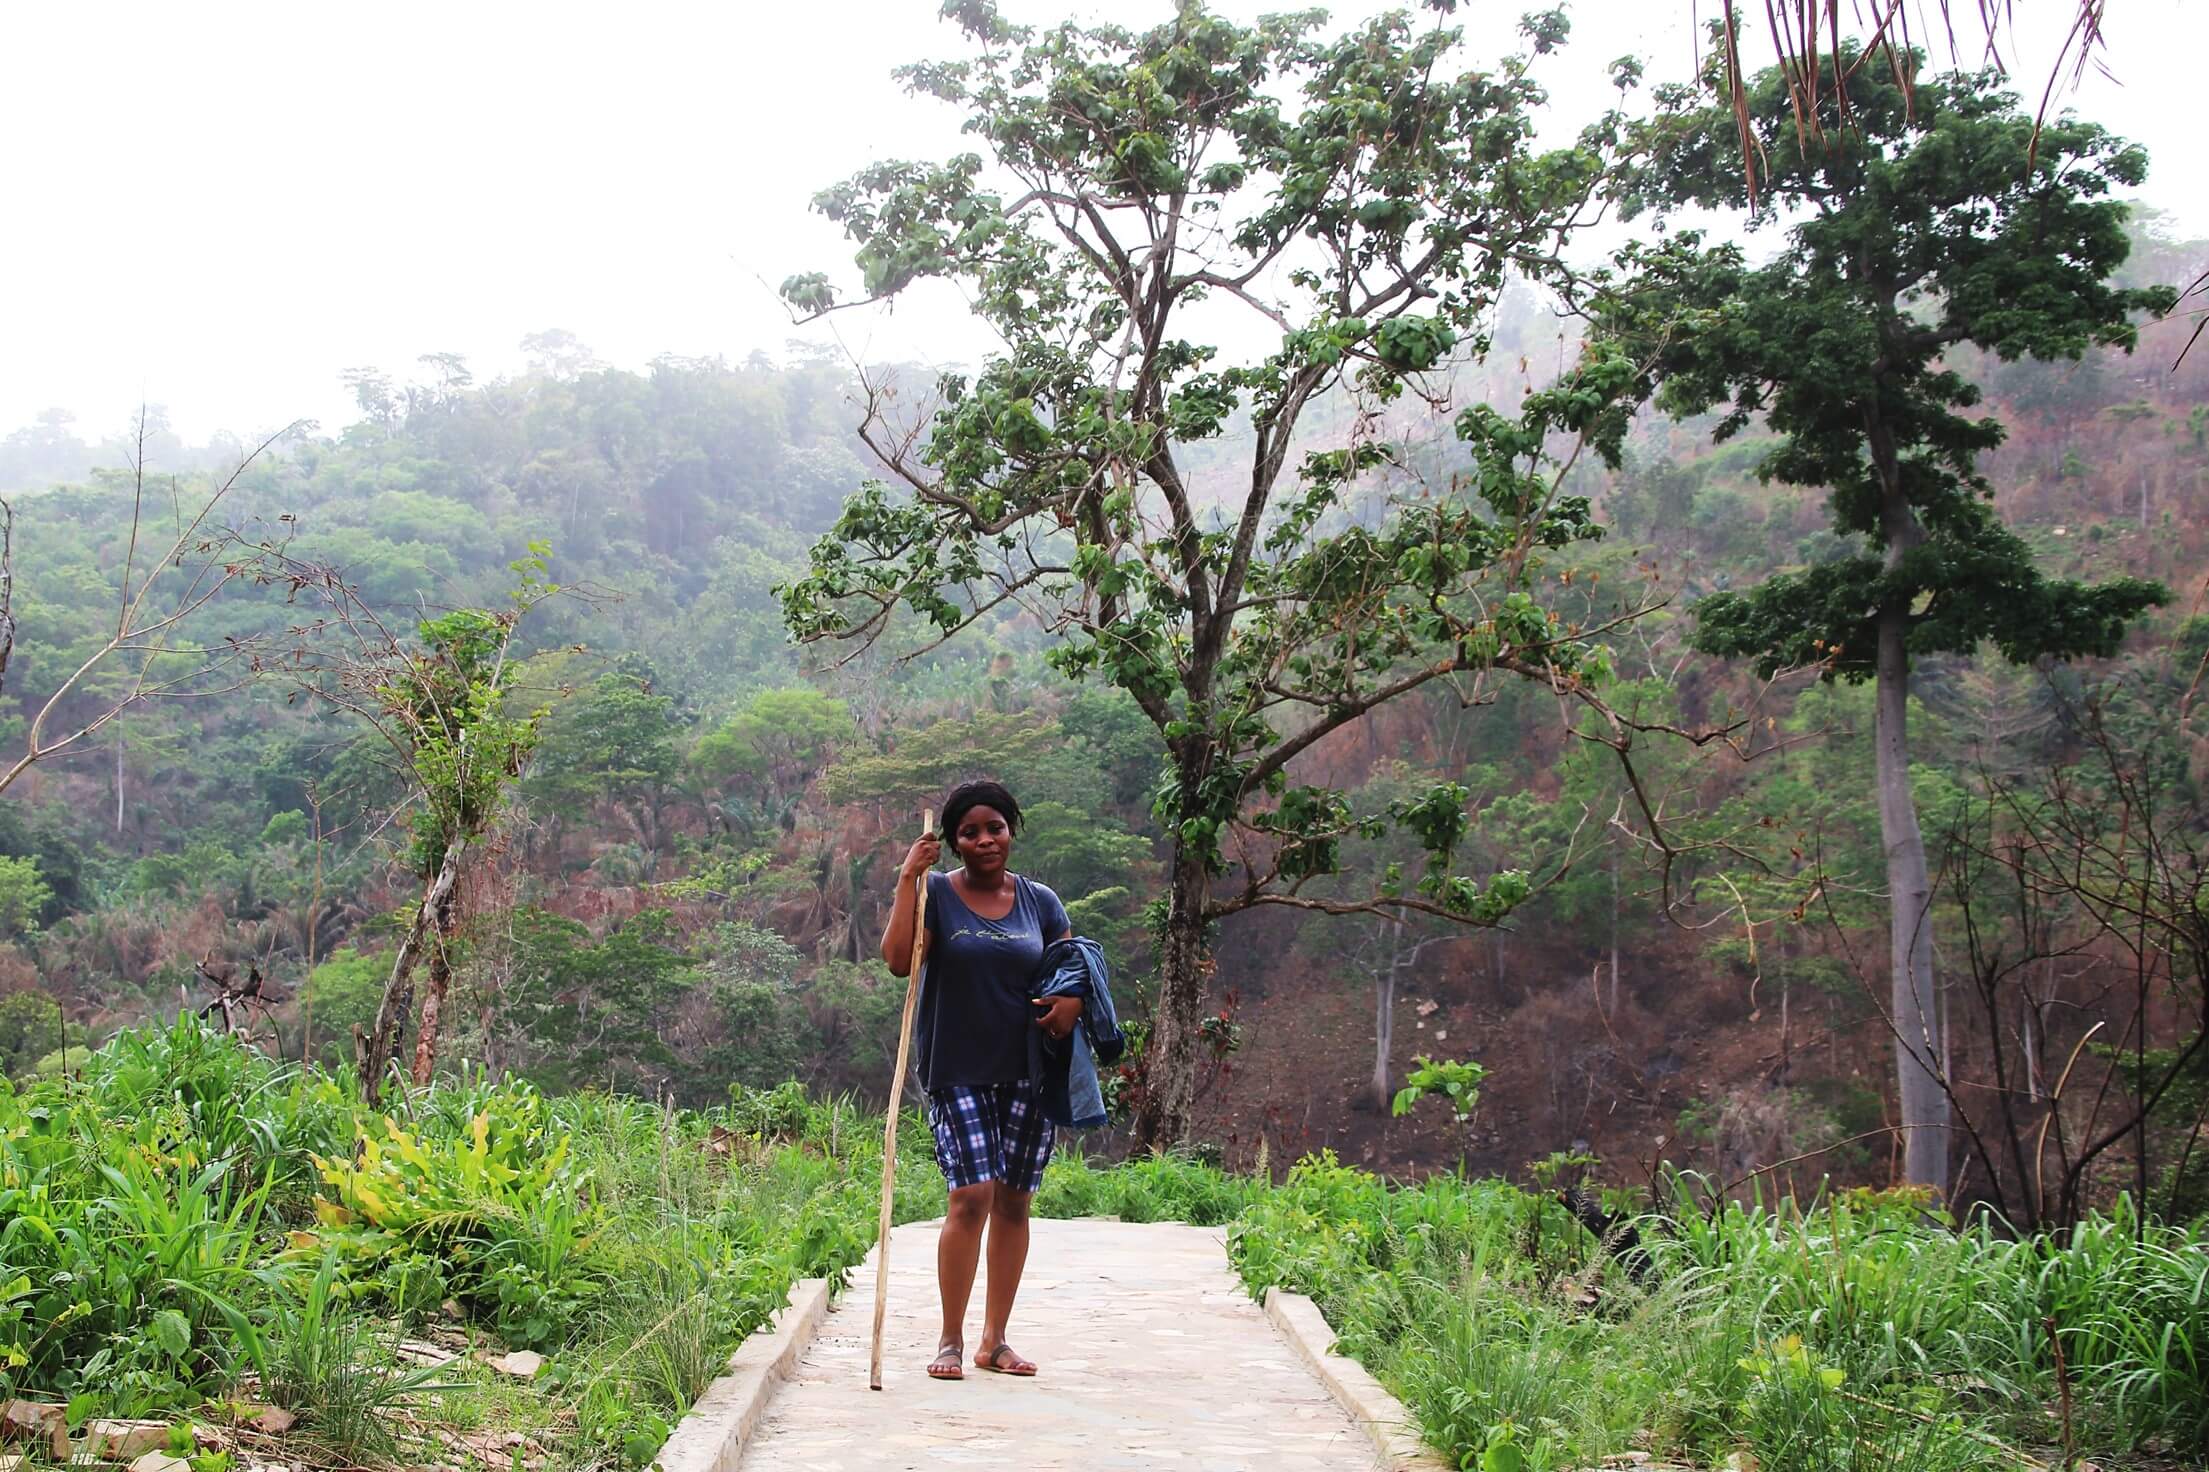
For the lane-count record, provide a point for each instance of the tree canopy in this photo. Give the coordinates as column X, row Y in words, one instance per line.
column 1927, row 215
column 1366, row 196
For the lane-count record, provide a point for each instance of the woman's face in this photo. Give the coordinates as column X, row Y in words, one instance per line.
column 983, row 840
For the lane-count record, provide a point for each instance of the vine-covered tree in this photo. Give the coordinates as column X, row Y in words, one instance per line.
column 446, row 707
column 1922, row 213
column 1360, row 200
column 442, row 714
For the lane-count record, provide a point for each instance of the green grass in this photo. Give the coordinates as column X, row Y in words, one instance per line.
column 189, row 1214
column 1850, row 1336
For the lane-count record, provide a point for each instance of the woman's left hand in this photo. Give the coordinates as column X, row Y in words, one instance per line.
column 1058, row 1015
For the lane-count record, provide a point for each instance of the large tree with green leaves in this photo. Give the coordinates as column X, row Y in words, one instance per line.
column 1359, row 201
column 1921, row 213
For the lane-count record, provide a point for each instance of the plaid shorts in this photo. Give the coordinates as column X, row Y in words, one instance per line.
column 990, row 1132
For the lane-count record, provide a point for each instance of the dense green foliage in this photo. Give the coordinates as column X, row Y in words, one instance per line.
column 188, row 1212
column 1846, row 1333
column 1927, row 213
column 1366, row 195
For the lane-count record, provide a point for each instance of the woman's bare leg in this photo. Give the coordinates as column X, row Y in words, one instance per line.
column 1008, row 1255
column 958, row 1249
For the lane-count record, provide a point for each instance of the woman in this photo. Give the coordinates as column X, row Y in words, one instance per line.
column 985, row 934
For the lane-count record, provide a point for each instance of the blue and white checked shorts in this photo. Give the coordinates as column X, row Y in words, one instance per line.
column 990, row 1132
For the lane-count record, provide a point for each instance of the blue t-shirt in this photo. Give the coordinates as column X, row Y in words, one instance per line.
column 974, row 1011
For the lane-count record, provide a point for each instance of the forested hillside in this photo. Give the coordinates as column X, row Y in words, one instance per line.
column 686, row 890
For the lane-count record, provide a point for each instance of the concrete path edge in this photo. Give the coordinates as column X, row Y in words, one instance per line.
column 712, row 1436
column 1382, row 1417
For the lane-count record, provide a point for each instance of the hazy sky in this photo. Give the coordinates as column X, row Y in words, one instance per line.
column 221, row 207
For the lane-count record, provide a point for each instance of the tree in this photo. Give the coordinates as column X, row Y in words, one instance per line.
column 1365, row 226
column 24, row 895
column 162, row 590
column 614, row 742
column 439, row 705
column 559, row 353
column 2089, row 867
column 1921, row 214
column 759, row 1026
column 576, row 1013
column 1079, row 852
column 773, row 748
column 30, row 1028
column 343, row 993
column 448, row 705
column 922, row 763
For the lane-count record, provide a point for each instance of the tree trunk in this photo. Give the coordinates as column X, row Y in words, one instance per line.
column 433, row 1000
column 1170, row 1059
column 486, row 1020
column 1384, row 1021
column 1614, row 928
column 2029, row 1045
column 1918, row 1044
column 375, row 1051
column 1786, row 1025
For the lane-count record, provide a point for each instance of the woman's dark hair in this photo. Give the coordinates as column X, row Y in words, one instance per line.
column 968, row 795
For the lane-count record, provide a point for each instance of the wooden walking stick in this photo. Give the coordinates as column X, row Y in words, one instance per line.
column 889, row 1129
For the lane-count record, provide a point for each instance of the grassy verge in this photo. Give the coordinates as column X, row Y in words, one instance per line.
column 1851, row 1337
column 486, row 1275
column 190, row 1226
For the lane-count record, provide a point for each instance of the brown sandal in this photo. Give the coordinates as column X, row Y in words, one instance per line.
column 945, row 1366
column 995, row 1361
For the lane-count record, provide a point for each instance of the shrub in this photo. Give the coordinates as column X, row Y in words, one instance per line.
column 495, row 1216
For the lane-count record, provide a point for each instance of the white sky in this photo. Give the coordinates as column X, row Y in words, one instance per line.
column 220, row 207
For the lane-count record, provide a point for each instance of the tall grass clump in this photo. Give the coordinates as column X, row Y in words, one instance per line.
column 2128, row 1303
column 1799, row 1416
column 324, row 1363
column 1166, row 1187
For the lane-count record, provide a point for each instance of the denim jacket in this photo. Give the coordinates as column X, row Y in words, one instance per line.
column 1065, row 1072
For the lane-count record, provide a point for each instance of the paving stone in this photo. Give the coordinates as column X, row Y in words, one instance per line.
column 1151, row 1357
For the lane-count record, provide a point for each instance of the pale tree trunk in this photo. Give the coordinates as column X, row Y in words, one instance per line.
column 1171, row 1058
column 2030, row 1014
column 375, row 1051
column 1916, row 1012
column 1786, row 1028
column 1614, row 927
column 489, row 988
column 1384, row 1020
column 1920, row 1053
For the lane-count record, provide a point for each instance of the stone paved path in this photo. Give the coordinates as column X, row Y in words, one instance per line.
column 1152, row 1356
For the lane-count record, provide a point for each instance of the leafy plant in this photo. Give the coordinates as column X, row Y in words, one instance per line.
column 1457, row 1082
column 1798, row 1417
column 497, row 1216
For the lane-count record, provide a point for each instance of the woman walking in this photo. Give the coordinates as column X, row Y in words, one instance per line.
column 985, row 932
